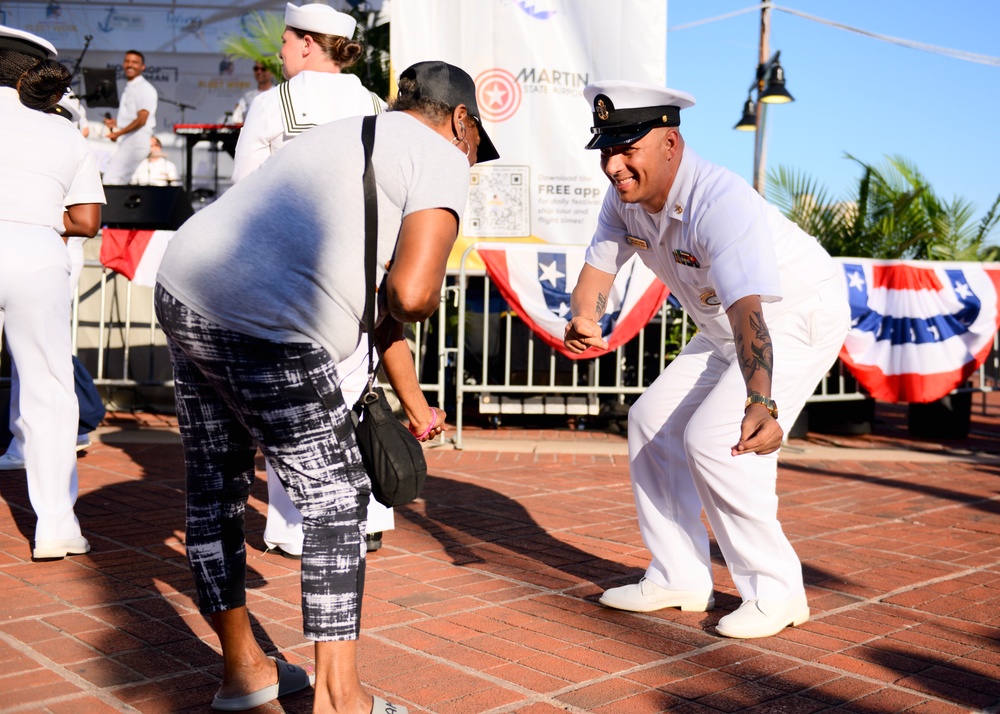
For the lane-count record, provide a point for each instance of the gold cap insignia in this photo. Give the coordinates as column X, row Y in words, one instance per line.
column 602, row 110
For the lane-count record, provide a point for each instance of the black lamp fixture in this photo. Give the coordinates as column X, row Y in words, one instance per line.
column 775, row 92
column 769, row 83
column 770, row 86
column 748, row 122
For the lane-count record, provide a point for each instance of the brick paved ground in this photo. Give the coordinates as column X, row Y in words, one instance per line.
column 484, row 597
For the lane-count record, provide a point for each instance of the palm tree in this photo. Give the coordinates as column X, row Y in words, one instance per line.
column 893, row 214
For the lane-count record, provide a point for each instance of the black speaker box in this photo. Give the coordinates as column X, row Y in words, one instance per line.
column 146, row 207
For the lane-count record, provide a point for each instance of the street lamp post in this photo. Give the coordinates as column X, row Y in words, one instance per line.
column 769, row 84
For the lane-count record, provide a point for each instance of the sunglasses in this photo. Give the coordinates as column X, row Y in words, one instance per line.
column 260, row 69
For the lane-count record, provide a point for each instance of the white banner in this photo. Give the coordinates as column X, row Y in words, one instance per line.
column 531, row 60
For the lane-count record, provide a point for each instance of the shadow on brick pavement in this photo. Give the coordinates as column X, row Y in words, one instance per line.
column 484, row 597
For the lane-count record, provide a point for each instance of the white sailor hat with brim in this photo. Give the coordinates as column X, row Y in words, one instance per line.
column 624, row 112
column 21, row 41
column 321, row 19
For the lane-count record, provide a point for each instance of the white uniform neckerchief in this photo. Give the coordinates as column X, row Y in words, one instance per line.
column 298, row 103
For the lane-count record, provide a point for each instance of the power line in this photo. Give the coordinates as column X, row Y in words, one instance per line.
column 913, row 45
column 728, row 15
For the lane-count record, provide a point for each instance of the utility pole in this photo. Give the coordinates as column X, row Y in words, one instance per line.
column 760, row 136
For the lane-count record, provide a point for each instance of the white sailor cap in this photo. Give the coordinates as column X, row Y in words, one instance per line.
column 21, row 41
column 321, row 19
column 624, row 112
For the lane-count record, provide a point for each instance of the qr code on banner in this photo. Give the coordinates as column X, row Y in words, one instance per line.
column 498, row 203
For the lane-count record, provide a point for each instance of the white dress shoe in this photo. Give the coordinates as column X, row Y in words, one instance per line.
column 53, row 549
column 9, row 462
column 646, row 596
column 289, row 550
column 83, row 442
column 763, row 618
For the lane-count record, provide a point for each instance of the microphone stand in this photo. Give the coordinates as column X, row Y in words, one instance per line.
column 79, row 60
column 182, row 106
column 75, row 72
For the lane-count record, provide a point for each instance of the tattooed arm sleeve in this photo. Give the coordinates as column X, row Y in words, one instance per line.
column 753, row 344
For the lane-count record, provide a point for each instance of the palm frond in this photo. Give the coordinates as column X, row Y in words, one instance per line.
column 261, row 42
column 989, row 221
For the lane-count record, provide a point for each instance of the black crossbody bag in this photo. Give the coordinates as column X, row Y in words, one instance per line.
column 392, row 456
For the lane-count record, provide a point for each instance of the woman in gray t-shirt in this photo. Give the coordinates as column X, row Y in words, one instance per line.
column 255, row 361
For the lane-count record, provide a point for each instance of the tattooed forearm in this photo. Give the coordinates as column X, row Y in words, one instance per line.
column 602, row 304
column 759, row 354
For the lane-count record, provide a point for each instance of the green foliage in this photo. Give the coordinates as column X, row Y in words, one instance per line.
column 262, row 42
column 892, row 213
column 373, row 67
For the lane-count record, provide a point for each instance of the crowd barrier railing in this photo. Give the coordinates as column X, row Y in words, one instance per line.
column 473, row 348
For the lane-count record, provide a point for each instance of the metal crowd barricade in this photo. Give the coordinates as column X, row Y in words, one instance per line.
column 532, row 378
column 494, row 358
column 115, row 334
column 512, row 372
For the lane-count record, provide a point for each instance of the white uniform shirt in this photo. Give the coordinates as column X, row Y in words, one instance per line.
column 243, row 106
column 139, row 94
column 306, row 100
column 75, row 107
column 715, row 241
column 44, row 165
column 160, row 171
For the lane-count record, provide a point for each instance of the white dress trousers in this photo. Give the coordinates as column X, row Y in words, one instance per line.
column 35, row 317
column 680, row 434
column 74, row 246
column 132, row 149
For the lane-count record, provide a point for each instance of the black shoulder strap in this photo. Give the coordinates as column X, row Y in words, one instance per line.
column 371, row 238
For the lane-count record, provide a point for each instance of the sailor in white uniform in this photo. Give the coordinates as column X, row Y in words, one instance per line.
column 316, row 90
column 265, row 81
column 49, row 188
column 772, row 313
column 316, row 46
column 135, row 122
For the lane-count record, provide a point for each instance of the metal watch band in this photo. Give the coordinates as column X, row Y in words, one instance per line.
column 766, row 401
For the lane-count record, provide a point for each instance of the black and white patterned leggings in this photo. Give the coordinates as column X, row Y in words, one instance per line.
column 236, row 393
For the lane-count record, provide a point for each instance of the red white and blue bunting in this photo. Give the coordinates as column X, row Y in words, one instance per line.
column 919, row 329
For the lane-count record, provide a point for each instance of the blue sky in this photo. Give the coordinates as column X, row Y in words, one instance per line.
column 853, row 94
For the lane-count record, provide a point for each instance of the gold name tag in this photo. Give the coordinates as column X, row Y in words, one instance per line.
column 637, row 242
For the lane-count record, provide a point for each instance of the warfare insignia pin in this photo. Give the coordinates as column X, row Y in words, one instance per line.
column 710, row 298
column 685, row 258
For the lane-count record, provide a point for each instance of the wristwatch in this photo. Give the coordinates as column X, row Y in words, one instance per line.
column 761, row 399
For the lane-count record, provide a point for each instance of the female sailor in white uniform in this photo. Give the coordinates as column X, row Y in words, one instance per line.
column 316, row 46
column 49, row 188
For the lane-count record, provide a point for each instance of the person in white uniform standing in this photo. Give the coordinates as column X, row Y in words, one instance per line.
column 135, row 123
column 772, row 313
column 316, row 46
column 71, row 109
column 265, row 81
column 49, row 188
